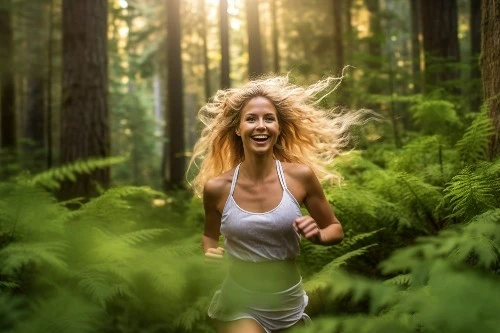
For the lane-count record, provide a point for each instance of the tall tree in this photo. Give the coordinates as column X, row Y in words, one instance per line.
column 374, row 46
column 225, row 81
column 7, row 89
column 174, row 173
column 415, row 44
column 255, row 65
column 475, row 51
column 338, row 42
column 274, row 37
column 490, row 67
column 84, row 113
column 203, row 34
column 440, row 32
column 34, row 113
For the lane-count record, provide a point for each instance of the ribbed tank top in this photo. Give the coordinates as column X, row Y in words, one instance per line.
column 258, row 237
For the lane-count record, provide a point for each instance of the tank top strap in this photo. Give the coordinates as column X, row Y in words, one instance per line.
column 235, row 176
column 281, row 175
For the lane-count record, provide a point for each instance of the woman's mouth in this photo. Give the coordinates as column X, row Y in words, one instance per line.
column 260, row 138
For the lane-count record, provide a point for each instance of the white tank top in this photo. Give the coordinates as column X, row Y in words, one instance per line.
column 258, row 237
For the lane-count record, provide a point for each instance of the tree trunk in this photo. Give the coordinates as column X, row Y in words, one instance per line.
column 225, row 81
column 8, row 139
column 439, row 27
column 415, row 45
column 48, row 132
column 84, row 113
column 34, row 113
column 175, row 159
column 338, row 42
column 490, row 66
column 375, row 59
column 475, row 52
column 348, row 29
column 203, row 34
column 274, row 37
column 255, row 66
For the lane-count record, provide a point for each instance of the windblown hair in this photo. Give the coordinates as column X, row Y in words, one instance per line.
column 309, row 135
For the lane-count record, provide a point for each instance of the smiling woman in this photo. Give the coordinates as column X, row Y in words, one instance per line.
column 262, row 149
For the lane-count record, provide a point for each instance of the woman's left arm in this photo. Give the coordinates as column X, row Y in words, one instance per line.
column 321, row 227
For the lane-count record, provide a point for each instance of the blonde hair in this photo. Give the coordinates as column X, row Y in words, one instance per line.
column 309, row 135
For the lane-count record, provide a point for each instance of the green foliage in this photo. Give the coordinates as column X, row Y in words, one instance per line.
column 474, row 144
column 474, row 190
column 53, row 177
column 435, row 116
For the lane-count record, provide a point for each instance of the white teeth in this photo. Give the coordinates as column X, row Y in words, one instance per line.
column 260, row 137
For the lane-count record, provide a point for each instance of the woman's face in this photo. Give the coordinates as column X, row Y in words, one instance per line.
column 258, row 128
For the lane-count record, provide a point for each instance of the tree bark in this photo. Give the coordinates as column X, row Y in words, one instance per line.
column 490, row 67
column 84, row 114
column 475, row 52
column 8, row 139
column 274, row 37
column 174, row 178
column 203, row 34
column 415, row 45
column 255, row 65
column 34, row 113
column 440, row 32
column 225, row 81
column 338, row 42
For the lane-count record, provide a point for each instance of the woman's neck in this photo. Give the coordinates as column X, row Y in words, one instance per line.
column 258, row 168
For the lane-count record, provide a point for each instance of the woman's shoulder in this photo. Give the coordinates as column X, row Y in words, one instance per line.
column 218, row 186
column 297, row 171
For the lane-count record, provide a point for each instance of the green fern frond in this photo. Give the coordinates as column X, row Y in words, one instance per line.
column 400, row 280
column 435, row 116
column 470, row 193
column 194, row 313
column 473, row 146
column 140, row 236
column 16, row 255
column 51, row 178
column 8, row 285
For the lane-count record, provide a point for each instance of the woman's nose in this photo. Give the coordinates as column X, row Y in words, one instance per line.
column 260, row 123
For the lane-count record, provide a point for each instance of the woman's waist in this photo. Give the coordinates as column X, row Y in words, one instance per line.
column 265, row 276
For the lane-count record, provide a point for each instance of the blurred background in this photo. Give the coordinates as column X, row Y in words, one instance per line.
column 99, row 231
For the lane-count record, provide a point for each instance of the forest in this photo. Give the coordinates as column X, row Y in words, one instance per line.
column 100, row 230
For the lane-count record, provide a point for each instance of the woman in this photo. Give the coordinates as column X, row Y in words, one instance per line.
column 263, row 147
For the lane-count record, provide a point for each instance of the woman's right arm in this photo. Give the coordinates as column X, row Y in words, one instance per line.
column 211, row 232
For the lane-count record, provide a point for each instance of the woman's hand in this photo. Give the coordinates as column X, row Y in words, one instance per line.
column 215, row 253
column 307, row 227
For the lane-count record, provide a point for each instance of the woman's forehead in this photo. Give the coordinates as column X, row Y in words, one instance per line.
column 259, row 103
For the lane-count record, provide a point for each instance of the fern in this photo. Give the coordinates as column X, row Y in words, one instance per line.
column 471, row 193
column 474, row 144
column 16, row 255
column 435, row 116
column 52, row 178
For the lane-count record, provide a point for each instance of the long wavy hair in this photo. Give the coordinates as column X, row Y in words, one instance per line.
column 310, row 135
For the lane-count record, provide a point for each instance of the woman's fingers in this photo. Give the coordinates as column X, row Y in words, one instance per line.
column 306, row 226
column 216, row 253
